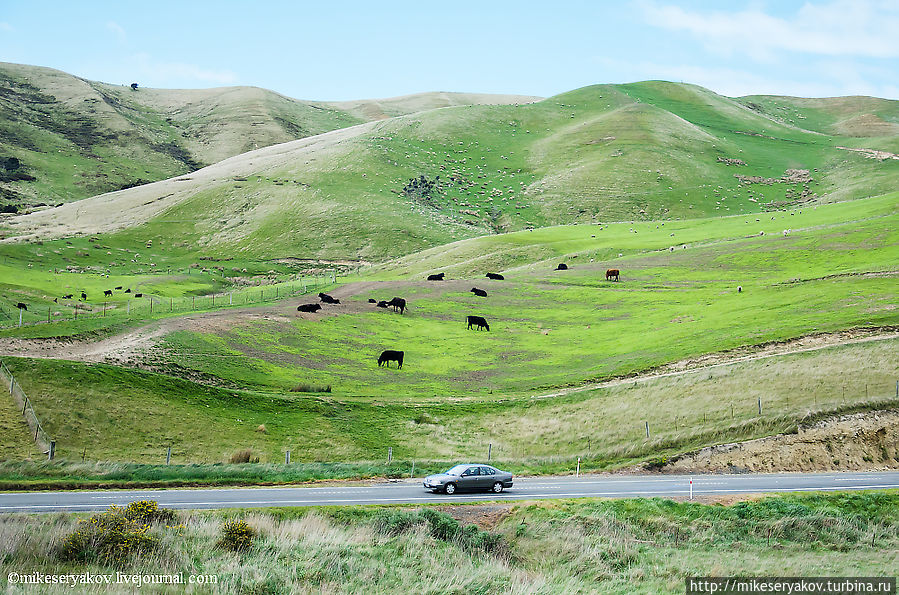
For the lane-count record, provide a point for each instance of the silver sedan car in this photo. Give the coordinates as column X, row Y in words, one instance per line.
column 469, row 477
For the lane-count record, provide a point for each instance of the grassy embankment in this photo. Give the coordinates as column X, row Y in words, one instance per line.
column 570, row 546
column 90, row 411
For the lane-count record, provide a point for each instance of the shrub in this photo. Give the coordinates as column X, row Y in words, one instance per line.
column 148, row 511
column 245, row 456
column 110, row 537
column 656, row 463
column 424, row 418
column 237, row 536
column 443, row 527
column 310, row 388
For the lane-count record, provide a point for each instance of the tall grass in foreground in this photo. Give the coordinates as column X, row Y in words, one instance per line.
column 585, row 546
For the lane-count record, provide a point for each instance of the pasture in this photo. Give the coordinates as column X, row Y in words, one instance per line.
column 112, row 413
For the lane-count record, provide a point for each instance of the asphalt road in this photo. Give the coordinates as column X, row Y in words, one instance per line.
column 412, row 492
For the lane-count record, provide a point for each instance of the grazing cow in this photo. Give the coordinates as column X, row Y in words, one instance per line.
column 83, row 296
column 119, row 288
column 383, row 304
column 495, row 276
column 372, row 301
column 107, row 293
column 478, row 292
column 562, row 267
column 67, row 296
column 328, row 299
column 391, row 356
column 399, row 304
column 128, row 290
column 21, row 306
column 437, row 277
column 612, row 273
column 478, row 321
column 309, row 307
column 138, row 295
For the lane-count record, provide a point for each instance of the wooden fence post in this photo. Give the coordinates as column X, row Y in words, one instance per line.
column 168, row 455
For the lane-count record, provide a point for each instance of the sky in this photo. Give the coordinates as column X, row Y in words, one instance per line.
column 353, row 50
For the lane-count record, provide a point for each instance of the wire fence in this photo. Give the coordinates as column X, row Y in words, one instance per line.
column 40, row 436
column 136, row 305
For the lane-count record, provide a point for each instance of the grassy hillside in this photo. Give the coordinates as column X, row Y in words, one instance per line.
column 833, row 269
column 637, row 152
column 569, row 546
column 78, row 138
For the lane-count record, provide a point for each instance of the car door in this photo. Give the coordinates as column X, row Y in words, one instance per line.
column 488, row 476
column 470, row 479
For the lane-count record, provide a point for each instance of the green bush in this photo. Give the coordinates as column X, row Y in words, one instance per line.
column 443, row 527
column 109, row 537
column 148, row 511
column 237, row 536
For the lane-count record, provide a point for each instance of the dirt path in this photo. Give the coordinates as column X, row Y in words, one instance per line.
column 813, row 342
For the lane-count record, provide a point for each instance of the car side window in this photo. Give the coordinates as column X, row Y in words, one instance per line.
column 487, row 471
column 471, row 471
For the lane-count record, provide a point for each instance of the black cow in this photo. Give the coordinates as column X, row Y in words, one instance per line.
column 21, row 306
column 128, row 290
column 309, row 307
column 495, row 276
column 382, row 304
column 478, row 321
column 138, row 295
column 612, row 273
column 328, row 299
column 372, row 301
column 107, row 293
column 562, row 267
column 83, row 296
column 478, row 292
column 437, row 277
column 67, row 296
column 391, row 356
column 119, row 287
column 399, row 304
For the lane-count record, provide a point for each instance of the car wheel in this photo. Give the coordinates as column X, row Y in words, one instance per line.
column 450, row 489
column 497, row 487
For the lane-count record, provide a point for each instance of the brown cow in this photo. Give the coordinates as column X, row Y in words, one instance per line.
column 612, row 273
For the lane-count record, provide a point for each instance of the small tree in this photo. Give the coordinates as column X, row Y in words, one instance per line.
column 134, row 86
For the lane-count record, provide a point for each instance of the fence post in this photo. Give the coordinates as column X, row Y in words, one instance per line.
column 129, row 307
column 104, row 309
column 231, row 299
column 578, row 472
column 168, row 455
column 287, row 458
column 489, row 450
column 760, row 405
column 412, row 473
column 52, row 452
column 20, row 316
column 48, row 314
column 389, row 454
column 171, row 304
column 647, row 428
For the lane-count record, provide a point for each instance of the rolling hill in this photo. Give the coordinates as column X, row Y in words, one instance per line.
column 641, row 151
column 78, row 138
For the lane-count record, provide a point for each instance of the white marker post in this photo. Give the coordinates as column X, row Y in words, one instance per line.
column 691, row 487
column 578, row 472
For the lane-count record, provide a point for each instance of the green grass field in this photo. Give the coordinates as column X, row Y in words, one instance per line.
column 564, row 546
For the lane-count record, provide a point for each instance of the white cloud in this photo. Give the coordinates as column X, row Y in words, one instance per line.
column 117, row 30
column 863, row 28
column 5, row 27
column 169, row 73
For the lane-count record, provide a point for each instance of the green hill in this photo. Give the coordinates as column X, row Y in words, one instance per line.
column 642, row 151
column 77, row 138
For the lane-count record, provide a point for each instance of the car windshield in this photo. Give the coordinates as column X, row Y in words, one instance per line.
column 457, row 470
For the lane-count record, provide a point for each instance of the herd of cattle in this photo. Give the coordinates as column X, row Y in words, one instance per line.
column 399, row 305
